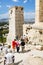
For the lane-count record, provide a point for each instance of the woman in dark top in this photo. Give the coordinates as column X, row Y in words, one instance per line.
column 22, row 45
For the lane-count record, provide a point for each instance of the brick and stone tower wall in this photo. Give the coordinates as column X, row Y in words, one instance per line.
column 39, row 11
column 38, row 26
column 36, row 11
column 16, row 20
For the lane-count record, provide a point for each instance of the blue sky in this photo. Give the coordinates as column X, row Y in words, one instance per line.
column 29, row 7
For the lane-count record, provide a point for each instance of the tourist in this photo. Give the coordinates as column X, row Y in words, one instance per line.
column 1, row 48
column 5, row 49
column 9, row 58
column 17, row 45
column 22, row 45
column 13, row 45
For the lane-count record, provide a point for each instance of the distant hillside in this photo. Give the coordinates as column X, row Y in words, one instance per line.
column 4, row 20
column 30, row 21
column 3, row 23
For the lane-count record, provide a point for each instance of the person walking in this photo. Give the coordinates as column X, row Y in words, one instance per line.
column 5, row 49
column 22, row 45
column 9, row 58
column 13, row 45
column 17, row 45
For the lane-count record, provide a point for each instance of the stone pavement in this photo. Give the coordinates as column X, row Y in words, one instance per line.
column 18, row 58
column 33, row 57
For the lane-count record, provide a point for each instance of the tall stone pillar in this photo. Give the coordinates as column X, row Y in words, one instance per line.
column 39, row 12
column 37, row 27
column 16, row 20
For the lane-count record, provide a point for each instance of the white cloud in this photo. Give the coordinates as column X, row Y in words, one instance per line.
column 8, row 6
column 0, row 6
column 5, row 15
column 29, row 15
column 15, row 0
column 25, row 1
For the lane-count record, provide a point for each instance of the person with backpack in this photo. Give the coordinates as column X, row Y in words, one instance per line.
column 22, row 45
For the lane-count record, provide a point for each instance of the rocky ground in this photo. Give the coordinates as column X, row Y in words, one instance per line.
column 33, row 57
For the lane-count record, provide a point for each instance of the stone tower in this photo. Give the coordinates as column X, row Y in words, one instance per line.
column 16, row 20
column 37, row 28
column 39, row 12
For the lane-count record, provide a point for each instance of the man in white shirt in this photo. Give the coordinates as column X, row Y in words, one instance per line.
column 1, row 48
column 5, row 50
column 9, row 58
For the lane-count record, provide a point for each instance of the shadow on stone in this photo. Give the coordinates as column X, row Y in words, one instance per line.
column 25, row 51
column 18, row 62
